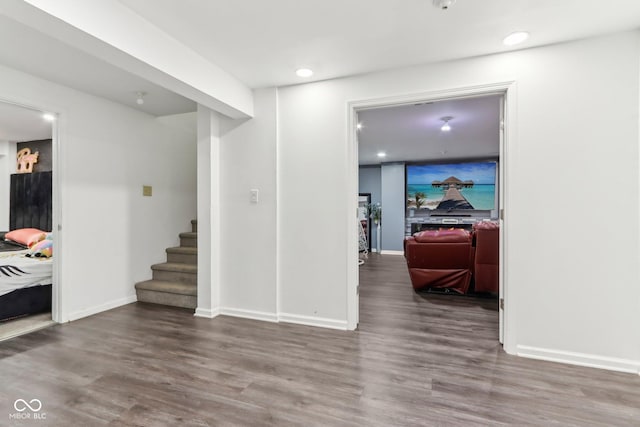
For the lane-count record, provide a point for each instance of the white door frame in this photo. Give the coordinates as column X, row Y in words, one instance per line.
column 56, row 220
column 508, row 90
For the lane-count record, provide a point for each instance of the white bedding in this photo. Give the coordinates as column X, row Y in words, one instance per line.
column 18, row 271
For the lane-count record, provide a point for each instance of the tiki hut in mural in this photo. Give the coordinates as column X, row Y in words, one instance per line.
column 453, row 199
column 452, row 182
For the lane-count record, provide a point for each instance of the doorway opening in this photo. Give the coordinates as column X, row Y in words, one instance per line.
column 402, row 213
column 28, row 289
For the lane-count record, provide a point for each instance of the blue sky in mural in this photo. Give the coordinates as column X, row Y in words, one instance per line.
column 479, row 173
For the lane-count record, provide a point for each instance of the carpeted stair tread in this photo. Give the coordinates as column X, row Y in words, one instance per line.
column 186, row 250
column 176, row 267
column 168, row 287
column 174, row 282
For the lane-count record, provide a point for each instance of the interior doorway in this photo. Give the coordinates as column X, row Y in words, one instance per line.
column 499, row 91
column 28, row 153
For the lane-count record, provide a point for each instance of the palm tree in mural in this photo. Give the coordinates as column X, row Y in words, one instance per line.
column 421, row 198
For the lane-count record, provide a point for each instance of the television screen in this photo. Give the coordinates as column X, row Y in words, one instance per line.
column 455, row 186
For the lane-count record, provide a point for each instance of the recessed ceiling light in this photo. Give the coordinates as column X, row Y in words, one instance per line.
column 49, row 117
column 382, row 154
column 359, row 126
column 304, row 72
column 515, row 38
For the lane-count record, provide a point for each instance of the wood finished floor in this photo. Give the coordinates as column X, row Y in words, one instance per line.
column 430, row 360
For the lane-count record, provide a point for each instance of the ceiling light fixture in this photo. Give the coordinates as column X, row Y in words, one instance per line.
column 304, row 72
column 140, row 97
column 515, row 38
column 446, row 127
column 443, row 4
column 382, row 154
column 48, row 117
column 359, row 126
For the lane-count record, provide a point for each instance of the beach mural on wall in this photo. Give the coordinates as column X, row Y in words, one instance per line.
column 451, row 186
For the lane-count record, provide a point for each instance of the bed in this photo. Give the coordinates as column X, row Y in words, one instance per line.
column 25, row 283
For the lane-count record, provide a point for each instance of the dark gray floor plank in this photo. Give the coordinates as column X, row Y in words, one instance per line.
column 416, row 360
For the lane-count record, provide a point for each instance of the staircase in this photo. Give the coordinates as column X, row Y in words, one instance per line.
column 175, row 282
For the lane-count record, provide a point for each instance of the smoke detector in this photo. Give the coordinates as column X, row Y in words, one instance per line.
column 443, row 4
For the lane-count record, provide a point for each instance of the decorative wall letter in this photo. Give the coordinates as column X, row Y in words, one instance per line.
column 26, row 160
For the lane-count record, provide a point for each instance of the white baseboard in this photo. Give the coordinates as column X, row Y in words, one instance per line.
column 386, row 252
column 207, row 313
column 313, row 321
column 273, row 317
column 580, row 359
column 249, row 314
column 100, row 308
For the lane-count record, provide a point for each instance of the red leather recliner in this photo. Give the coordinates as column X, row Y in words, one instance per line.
column 486, row 268
column 440, row 259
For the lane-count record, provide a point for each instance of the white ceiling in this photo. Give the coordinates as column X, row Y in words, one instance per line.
column 412, row 132
column 263, row 42
column 18, row 124
column 33, row 52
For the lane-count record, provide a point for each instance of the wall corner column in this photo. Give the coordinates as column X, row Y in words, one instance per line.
column 208, row 162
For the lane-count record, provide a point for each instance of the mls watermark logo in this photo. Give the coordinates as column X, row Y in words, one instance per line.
column 30, row 410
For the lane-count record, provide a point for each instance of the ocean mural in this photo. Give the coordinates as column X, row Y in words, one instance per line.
column 452, row 186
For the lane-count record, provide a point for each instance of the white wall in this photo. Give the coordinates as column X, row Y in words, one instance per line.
column 572, row 267
column 248, row 256
column 209, row 208
column 111, row 234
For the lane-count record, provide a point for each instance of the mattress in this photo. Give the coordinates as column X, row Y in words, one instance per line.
column 17, row 271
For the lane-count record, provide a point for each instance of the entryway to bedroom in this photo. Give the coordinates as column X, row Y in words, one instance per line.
column 26, row 218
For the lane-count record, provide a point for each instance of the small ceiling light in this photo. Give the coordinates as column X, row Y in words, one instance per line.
column 382, row 154
column 443, row 4
column 446, row 127
column 48, row 117
column 515, row 38
column 140, row 97
column 304, row 72
column 359, row 126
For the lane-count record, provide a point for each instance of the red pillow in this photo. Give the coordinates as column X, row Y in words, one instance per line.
column 486, row 225
column 25, row 236
column 457, row 235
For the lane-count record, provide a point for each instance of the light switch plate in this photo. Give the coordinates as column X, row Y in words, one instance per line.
column 253, row 195
column 147, row 190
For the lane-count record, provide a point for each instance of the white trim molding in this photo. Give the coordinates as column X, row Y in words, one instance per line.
column 504, row 88
column 386, row 252
column 206, row 313
column 580, row 359
column 313, row 321
column 273, row 317
column 100, row 308
column 249, row 314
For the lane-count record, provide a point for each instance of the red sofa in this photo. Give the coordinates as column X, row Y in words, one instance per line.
column 486, row 263
column 440, row 259
column 449, row 259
